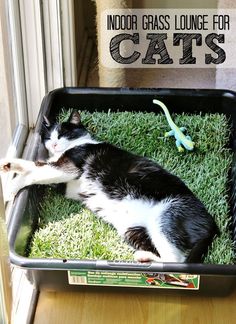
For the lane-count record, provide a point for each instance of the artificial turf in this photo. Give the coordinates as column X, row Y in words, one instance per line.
column 69, row 230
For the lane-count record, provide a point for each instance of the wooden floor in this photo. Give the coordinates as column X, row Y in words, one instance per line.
column 102, row 308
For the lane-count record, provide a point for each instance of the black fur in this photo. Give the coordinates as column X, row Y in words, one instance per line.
column 122, row 173
column 186, row 223
column 139, row 238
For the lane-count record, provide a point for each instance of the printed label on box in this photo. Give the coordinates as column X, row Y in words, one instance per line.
column 134, row 279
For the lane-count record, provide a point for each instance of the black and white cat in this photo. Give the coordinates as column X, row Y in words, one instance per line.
column 152, row 209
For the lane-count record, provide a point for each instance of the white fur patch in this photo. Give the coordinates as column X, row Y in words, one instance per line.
column 122, row 214
column 57, row 146
column 128, row 212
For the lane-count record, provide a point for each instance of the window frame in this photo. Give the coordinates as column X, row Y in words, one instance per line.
column 42, row 56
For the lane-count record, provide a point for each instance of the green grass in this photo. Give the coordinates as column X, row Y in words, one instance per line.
column 68, row 230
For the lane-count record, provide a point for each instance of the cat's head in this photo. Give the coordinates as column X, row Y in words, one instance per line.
column 58, row 137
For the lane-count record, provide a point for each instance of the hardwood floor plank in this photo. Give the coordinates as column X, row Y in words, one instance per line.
column 132, row 308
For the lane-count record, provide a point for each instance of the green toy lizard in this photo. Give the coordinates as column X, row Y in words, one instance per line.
column 181, row 139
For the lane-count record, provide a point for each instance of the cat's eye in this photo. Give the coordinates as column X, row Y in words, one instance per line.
column 63, row 133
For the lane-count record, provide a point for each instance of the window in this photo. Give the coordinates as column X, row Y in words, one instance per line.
column 37, row 54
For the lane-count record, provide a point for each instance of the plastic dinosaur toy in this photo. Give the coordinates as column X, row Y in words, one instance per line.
column 181, row 139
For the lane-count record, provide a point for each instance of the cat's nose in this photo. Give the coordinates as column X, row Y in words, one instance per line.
column 54, row 145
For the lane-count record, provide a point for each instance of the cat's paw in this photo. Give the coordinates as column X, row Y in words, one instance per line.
column 5, row 166
column 145, row 256
column 14, row 165
column 13, row 187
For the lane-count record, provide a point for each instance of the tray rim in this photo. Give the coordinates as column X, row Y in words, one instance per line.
column 71, row 264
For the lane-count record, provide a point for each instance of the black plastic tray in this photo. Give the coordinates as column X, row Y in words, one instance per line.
column 52, row 273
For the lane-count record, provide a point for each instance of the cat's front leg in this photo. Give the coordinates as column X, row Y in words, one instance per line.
column 31, row 173
column 20, row 167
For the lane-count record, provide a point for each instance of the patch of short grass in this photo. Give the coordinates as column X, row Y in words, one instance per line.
column 68, row 230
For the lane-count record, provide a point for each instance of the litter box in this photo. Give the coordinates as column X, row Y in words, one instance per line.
column 66, row 274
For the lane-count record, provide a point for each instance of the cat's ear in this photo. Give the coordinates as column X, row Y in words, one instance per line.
column 75, row 118
column 46, row 121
